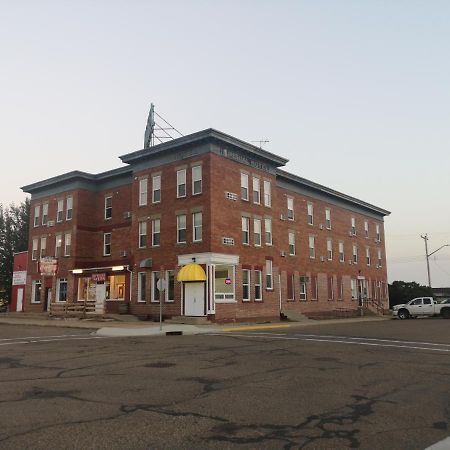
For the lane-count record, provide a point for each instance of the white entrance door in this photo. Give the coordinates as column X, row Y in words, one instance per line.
column 19, row 307
column 194, row 299
column 100, row 296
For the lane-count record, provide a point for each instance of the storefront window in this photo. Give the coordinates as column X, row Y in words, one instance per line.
column 115, row 288
column 224, row 282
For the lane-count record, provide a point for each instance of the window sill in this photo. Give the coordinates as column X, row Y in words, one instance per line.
column 225, row 301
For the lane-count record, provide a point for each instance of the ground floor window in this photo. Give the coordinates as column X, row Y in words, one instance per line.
column 36, row 291
column 258, row 281
column 224, row 282
column 155, row 290
column 303, row 281
column 354, row 285
column 61, row 290
column 245, row 285
column 170, row 288
column 115, row 288
column 141, row 286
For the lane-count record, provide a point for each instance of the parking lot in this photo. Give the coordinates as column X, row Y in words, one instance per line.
column 369, row 385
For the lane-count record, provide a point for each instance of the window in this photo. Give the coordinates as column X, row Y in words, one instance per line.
column 155, row 290
column 379, row 257
column 108, row 207
column 269, row 274
column 156, row 231
column 341, row 252
column 368, row 256
column 314, row 288
column 143, row 192
column 291, row 243
column 60, row 211
column 44, row 214
column 245, row 285
column 106, row 244
column 244, row 186
column 366, row 228
column 156, row 189
column 355, row 253
column 256, row 191
column 58, row 245
column 141, row 286
column 37, row 213
column 290, row 208
column 290, row 286
column 43, row 247
column 181, row 228
column 330, row 288
column 34, row 251
column 310, row 214
column 377, row 228
column 267, row 194
column 268, row 230
column 36, row 291
column 181, row 183
column 328, row 218
column 224, row 282
column 329, row 249
column 312, row 247
column 142, row 234
column 303, row 281
column 69, row 208
column 170, row 287
column 245, row 230
column 353, row 227
column 197, row 180
column 61, row 290
column 257, row 232
column 258, row 290
column 354, row 286
column 197, row 219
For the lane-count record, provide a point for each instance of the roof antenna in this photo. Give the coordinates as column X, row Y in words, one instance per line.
column 261, row 142
column 155, row 131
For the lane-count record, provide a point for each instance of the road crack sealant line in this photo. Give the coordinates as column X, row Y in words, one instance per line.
column 46, row 340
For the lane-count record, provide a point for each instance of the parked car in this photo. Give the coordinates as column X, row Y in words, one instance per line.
column 422, row 306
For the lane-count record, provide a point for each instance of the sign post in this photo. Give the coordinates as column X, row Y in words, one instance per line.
column 161, row 286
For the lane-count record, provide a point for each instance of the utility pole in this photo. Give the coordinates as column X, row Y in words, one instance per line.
column 425, row 238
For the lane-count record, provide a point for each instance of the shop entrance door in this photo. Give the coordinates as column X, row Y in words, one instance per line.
column 100, row 297
column 19, row 306
column 194, row 299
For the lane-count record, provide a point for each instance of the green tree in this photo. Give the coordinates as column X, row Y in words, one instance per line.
column 403, row 291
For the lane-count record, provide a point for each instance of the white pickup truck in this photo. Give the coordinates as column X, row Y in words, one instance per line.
column 422, row 306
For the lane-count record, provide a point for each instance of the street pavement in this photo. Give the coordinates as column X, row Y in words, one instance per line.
column 367, row 384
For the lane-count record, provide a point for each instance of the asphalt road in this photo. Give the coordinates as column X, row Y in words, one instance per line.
column 378, row 385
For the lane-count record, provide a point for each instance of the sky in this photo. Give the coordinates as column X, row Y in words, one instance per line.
column 355, row 94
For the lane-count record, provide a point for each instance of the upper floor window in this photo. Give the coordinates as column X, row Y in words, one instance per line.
column 43, row 247
column 378, row 233
column 341, row 252
column 310, row 214
column 156, row 189
column 69, row 208
column 328, row 218
column 355, row 253
column 256, row 191
column 181, row 228
column 143, row 185
column 181, row 183
column 267, row 194
column 368, row 256
column 34, row 250
column 37, row 213
column 257, row 232
column 58, row 245
column 60, row 211
column 67, row 244
column 290, row 208
column 197, row 219
column 312, row 247
column 108, row 207
column 142, row 234
column 291, row 243
column 44, row 214
column 268, row 230
column 156, row 232
column 353, row 226
column 366, row 228
column 245, row 230
column 379, row 257
column 329, row 249
column 269, row 274
column 106, row 244
column 244, row 186
column 196, row 180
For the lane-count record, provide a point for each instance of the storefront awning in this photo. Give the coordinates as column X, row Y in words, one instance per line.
column 191, row 272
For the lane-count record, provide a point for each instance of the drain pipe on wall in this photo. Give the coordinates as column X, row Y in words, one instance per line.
column 131, row 284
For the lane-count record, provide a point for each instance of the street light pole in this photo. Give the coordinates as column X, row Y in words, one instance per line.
column 425, row 238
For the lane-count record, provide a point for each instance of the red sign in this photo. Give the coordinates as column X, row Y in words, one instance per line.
column 98, row 277
column 48, row 266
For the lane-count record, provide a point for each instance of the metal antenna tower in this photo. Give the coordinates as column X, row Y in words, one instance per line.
column 155, row 132
column 261, row 142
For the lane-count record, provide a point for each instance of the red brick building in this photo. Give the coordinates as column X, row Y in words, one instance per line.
column 233, row 236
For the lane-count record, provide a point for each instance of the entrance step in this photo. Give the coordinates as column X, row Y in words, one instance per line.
column 294, row 316
column 188, row 320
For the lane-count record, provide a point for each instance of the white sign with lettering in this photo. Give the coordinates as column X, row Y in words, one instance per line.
column 19, row 277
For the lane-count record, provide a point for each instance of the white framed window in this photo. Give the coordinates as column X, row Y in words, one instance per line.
column 108, row 207
column 353, row 226
column 37, row 214
column 181, row 229
column 156, row 189
column 268, row 230
column 155, row 291
column 106, row 244
column 58, row 245
column 156, row 232
column 34, row 250
column 355, row 253
column 43, row 251
column 69, row 208
column 269, row 274
column 60, row 211
column 312, row 247
column 368, row 261
column 245, row 285
column 61, row 290
column 329, row 249
column 366, row 228
column 142, row 234
column 379, row 257
column 142, row 278
column 341, row 252
column 197, row 220
column 290, row 208
column 181, row 183
column 244, row 186
column 67, row 244
column 267, row 194
column 224, row 282
column 303, row 288
column 291, row 237
column 256, row 191
column 196, row 180
column 257, row 232
column 44, row 214
column 310, row 214
column 328, row 218
column 354, row 286
column 36, row 291
column 245, row 230
column 378, row 233
column 170, row 286
column 258, row 285
column 143, row 189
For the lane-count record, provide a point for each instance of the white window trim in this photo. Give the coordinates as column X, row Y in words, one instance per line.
column 153, row 287
column 328, row 218
column 260, row 284
column 141, row 233
column 198, row 226
column 244, row 176
column 104, row 244
column 37, row 217
column 143, row 192
column 181, row 184
column 67, row 243
column 139, row 291
column 257, row 221
column 290, row 207
column 58, row 288
column 310, row 213
column 269, row 262
column 268, row 221
column 249, row 284
column 194, row 179
column 166, row 291
column 69, row 200
column 256, row 183
column 44, row 214
column 154, row 232
column 245, row 220
column 33, row 291
column 35, row 248
column 330, row 249
column 312, row 239
column 179, row 228
column 267, row 194
column 60, row 211
column 106, row 207
column 156, row 177
column 291, row 234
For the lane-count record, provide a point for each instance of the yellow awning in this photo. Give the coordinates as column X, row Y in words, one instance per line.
column 191, row 272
